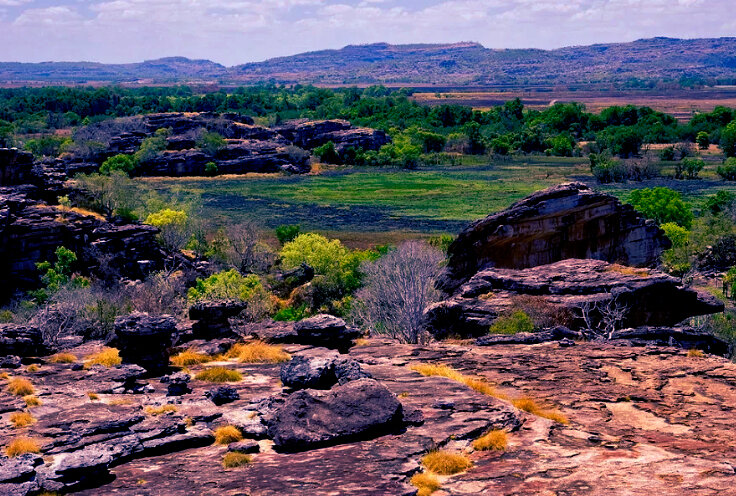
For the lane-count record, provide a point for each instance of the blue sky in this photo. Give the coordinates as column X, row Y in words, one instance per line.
column 234, row 32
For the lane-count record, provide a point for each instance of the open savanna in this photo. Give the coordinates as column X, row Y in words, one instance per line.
column 682, row 104
column 370, row 206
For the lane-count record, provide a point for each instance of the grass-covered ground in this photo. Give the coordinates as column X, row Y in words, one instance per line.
column 367, row 206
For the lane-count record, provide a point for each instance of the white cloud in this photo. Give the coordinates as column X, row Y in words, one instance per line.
column 246, row 30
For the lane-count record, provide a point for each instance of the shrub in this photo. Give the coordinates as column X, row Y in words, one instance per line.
column 446, row 462
column 291, row 314
column 728, row 170
column 663, row 205
column 441, row 242
column 118, row 163
column 228, row 434
column 152, row 146
column 531, row 406
column 188, row 357
column 258, row 352
column 607, row 170
column 493, row 440
column 21, row 446
column 287, row 232
column 58, row 275
column 63, row 358
column 543, row 313
column 728, row 139
column 517, row 321
column 173, row 225
column 219, row 374
column 107, row 357
column 211, row 169
column 327, row 154
column 678, row 235
column 46, row 146
column 211, row 143
column 155, row 411
column 235, row 459
column 722, row 201
column 19, row 386
column 425, row 483
column 667, row 154
column 397, row 289
column 21, row 419
column 703, row 140
column 689, row 168
column 231, row 285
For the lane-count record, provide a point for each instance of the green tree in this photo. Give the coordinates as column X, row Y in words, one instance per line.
column 152, row 146
column 121, row 162
column 173, row 225
column 677, row 234
column 327, row 154
column 663, row 205
column 286, row 233
column 211, row 143
column 703, row 140
column 728, row 170
column 728, row 140
column 722, row 201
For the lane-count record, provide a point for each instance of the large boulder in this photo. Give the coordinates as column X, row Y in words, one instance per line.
column 22, row 341
column 311, row 419
column 213, row 318
column 145, row 340
column 580, row 290
column 327, row 331
column 320, row 370
column 565, row 221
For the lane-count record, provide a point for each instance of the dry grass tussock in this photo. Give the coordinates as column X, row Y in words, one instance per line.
column 22, row 445
column 475, row 383
column 628, row 271
column 219, row 374
column 33, row 368
column 81, row 211
column 425, row 483
column 63, row 358
column 446, row 462
column 483, row 387
column 21, row 419
column 20, row 387
column 228, row 434
column 695, row 353
column 93, row 396
column 108, row 357
column 258, row 352
column 235, row 459
column 155, row 411
column 31, row 401
column 188, row 357
column 531, row 406
column 496, row 440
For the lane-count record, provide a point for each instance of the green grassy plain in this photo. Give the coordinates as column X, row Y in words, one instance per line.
column 367, row 206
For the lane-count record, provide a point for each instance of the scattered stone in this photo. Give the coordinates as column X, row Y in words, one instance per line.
column 145, row 340
column 247, row 446
column 320, row 369
column 221, row 395
column 311, row 419
column 177, row 384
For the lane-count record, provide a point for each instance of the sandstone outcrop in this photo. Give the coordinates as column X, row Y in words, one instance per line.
column 22, row 341
column 31, row 230
column 565, row 221
column 320, row 370
column 321, row 330
column 15, row 167
column 310, row 419
column 311, row 134
column 213, row 318
column 145, row 340
column 582, row 289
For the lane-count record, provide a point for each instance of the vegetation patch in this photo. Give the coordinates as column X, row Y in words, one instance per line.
column 21, row 419
column 155, row 411
column 31, row 401
column 258, row 352
column 188, row 358
column 228, row 434
column 494, row 440
column 518, row 321
column 22, row 445
column 20, row 387
column 446, row 462
column 219, row 374
column 529, row 405
column 425, row 483
column 93, row 396
column 695, row 353
column 236, row 459
column 475, row 383
column 108, row 357
column 63, row 358
column 33, row 368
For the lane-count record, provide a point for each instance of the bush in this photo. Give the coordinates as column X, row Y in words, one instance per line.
column 607, row 170
column 678, row 235
column 151, row 147
column 231, row 285
column 327, row 154
column 173, row 226
column 441, row 242
column 728, row 139
column 211, row 143
column 287, row 232
column 668, row 154
column 46, row 146
column 688, row 168
column 517, row 321
column 728, row 170
column 398, row 287
column 210, row 169
column 722, row 201
column 703, row 140
column 663, row 205
column 291, row 314
column 121, row 163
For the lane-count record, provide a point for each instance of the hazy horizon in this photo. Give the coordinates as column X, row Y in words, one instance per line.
column 237, row 32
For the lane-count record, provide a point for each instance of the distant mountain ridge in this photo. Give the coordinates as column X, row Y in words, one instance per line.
column 453, row 64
